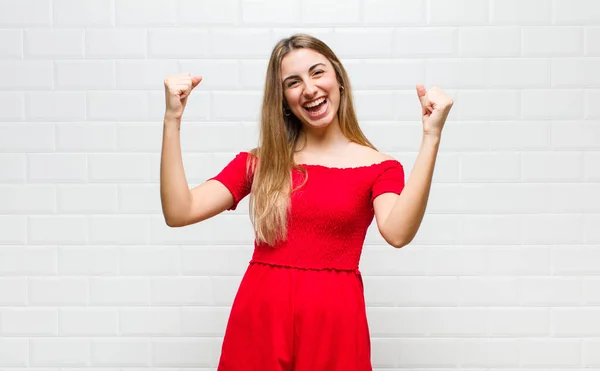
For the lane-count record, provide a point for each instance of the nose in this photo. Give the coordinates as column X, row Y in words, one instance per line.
column 309, row 89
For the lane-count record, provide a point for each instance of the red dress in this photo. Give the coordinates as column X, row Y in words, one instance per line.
column 300, row 306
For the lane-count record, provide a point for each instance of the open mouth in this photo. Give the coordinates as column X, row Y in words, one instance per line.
column 316, row 108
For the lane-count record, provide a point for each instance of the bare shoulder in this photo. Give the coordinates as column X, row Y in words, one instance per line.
column 370, row 155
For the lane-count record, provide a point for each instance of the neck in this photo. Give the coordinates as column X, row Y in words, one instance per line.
column 321, row 139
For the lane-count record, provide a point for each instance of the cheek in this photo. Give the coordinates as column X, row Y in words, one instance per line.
column 291, row 99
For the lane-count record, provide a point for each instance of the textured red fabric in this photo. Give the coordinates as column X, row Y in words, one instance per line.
column 300, row 305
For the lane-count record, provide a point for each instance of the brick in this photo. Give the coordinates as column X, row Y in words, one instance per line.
column 74, row 13
column 54, row 291
column 12, row 106
column 150, row 322
column 115, row 43
column 57, row 167
column 67, row 230
column 117, row 105
column 576, row 12
column 84, row 74
column 521, row 12
column 576, row 72
column 58, row 43
column 552, row 229
column 552, row 41
column 393, row 12
column 334, row 12
column 123, row 167
column 26, row 13
column 26, row 74
column 29, row 198
column 55, row 106
column 178, row 43
column 13, row 168
column 60, row 352
column 550, row 353
column 14, row 352
column 592, row 41
column 239, row 43
column 85, row 322
column 425, row 42
column 108, row 352
column 145, row 12
column 552, row 104
column 85, row 137
column 489, row 41
column 518, row 73
column 88, row 260
column 13, row 291
column 458, row 73
column 208, row 12
column 143, row 74
column 12, row 44
column 29, row 322
column 458, row 12
column 275, row 12
column 88, row 198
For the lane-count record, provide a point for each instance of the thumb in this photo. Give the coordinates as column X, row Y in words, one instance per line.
column 196, row 80
column 422, row 94
column 426, row 106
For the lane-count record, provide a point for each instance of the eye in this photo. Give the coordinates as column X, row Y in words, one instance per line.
column 318, row 72
column 292, row 83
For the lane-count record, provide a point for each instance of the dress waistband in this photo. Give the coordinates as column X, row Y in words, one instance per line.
column 294, row 266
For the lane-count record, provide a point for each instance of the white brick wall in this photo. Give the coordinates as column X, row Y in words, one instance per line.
column 504, row 273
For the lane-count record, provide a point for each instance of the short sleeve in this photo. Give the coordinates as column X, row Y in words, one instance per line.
column 235, row 178
column 391, row 179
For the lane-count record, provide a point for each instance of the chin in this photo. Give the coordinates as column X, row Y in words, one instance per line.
column 319, row 122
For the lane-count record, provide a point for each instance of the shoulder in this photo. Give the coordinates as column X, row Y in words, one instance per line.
column 370, row 155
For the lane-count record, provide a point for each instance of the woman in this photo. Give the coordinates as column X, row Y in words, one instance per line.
column 315, row 185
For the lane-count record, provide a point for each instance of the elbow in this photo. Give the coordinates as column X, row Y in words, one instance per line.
column 174, row 222
column 399, row 244
column 396, row 240
column 400, row 241
column 404, row 241
column 170, row 222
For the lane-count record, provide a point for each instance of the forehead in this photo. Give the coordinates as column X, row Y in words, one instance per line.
column 300, row 60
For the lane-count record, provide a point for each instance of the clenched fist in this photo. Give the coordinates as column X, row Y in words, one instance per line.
column 435, row 105
column 177, row 90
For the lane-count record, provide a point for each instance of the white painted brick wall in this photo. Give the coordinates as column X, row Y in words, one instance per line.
column 504, row 273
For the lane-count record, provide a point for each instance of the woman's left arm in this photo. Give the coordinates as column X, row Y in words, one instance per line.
column 400, row 216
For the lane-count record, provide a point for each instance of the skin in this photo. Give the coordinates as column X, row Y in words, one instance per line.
column 301, row 84
column 398, row 216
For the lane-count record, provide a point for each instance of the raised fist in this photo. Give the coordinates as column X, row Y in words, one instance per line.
column 177, row 90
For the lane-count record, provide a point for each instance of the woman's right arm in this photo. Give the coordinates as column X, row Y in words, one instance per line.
column 180, row 205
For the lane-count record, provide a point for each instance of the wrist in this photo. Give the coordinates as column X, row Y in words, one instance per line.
column 172, row 119
column 432, row 138
column 171, row 124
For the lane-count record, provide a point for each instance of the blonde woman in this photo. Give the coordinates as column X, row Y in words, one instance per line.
column 315, row 184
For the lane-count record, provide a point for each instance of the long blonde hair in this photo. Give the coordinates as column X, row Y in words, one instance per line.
column 273, row 159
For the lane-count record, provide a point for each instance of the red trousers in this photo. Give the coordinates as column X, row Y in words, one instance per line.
column 288, row 319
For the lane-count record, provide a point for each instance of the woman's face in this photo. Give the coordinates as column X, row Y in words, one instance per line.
column 310, row 87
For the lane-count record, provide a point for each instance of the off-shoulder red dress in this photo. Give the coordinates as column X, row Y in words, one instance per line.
column 300, row 305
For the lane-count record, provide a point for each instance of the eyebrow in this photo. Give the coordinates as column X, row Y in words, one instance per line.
column 309, row 70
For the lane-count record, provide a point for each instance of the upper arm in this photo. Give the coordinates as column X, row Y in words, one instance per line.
column 386, row 189
column 208, row 199
column 382, row 206
column 219, row 193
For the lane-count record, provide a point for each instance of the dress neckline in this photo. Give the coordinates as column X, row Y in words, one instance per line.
column 318, row 166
